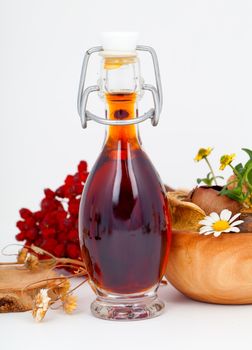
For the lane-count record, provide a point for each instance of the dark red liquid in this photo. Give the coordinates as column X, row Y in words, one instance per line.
column 124, row 218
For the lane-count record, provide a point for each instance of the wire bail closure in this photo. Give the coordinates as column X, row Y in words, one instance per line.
column 84, row 93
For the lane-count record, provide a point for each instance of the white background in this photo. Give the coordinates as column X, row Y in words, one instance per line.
column 205, row 53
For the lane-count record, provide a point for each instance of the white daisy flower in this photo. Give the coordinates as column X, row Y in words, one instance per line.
column 218, row 224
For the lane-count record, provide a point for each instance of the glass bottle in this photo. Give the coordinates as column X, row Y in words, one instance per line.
column 124, row 221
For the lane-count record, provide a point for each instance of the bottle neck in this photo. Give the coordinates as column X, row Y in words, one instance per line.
column 122, row 107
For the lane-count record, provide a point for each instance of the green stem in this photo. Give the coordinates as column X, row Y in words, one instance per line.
column 211, row 170
column 235, row 171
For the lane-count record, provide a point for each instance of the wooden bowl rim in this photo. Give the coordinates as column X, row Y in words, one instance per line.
column 196, row 233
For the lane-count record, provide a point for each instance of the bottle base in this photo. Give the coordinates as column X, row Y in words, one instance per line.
column 127, row 308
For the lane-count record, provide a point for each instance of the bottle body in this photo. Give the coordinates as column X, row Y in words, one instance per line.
column 124, row 216
column 124, row 223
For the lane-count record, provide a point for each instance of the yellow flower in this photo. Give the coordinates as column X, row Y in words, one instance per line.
column 203, row 153
column 69, row 303
column 41, row 305
column 226, row 160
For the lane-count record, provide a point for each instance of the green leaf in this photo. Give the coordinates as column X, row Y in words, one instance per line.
column 248, row 151
column 248, row 164
column 237, row 190
column 206, row 181
column 239, row 197
column 248, row 178
column 209, row 179
column 219, row 177
column 239, row 168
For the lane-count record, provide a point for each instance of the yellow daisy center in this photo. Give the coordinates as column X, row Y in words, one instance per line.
column 221, row 225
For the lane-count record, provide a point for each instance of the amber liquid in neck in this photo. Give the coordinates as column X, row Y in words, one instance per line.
column 122, row 107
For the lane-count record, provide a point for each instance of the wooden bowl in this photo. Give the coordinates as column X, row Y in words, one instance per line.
column 213, row 270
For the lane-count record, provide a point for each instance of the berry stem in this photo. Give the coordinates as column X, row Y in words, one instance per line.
column 66, row 261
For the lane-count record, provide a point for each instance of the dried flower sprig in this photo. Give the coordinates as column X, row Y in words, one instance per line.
column 69, row 303
column 58, row 289
column 41, row 305
column 36, row 258
column 31, row 262
column 22, row 255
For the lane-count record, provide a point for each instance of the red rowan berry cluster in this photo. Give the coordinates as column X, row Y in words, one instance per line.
column 55, row 226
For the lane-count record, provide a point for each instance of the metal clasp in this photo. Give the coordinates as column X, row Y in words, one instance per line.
column 83, row 93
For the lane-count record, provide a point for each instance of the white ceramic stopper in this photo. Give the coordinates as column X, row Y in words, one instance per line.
column 118, row 43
